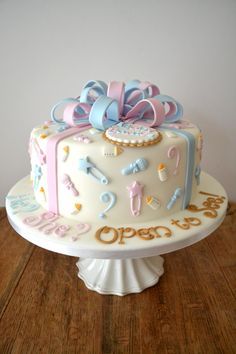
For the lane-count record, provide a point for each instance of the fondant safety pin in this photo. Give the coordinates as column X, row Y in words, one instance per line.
column 90, row 169
column 135, row 193
column 41, row 155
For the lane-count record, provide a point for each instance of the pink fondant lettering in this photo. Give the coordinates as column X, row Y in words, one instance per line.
column 33, row 220
column 61, row 230
column 82, row 229
column 48, row 228
column 49, row 215
column 47, row 224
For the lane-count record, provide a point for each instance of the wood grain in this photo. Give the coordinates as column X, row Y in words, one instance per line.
column 2, row 213
column 14, row 255
column 47, row 309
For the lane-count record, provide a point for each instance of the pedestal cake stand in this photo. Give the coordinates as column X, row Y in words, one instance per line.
column 117, row 259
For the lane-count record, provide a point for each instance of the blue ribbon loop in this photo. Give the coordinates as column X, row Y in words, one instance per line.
column 104, row 111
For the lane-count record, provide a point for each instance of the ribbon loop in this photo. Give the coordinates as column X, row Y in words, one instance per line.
column 92, row 90
column 116, row 91
column 104, row 113
column 175, row 109
column 77, row 114
column 59, row 104
column 152, row 90
column 157, row 112
column 102, row 106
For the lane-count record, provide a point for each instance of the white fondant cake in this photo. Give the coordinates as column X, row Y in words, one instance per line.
column 123, row 167
column 118, row 177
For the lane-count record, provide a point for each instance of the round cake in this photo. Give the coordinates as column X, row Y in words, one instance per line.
column 121, row 153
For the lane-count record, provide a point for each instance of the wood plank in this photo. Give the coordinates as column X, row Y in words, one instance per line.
column 215, row 320
column 51, row 310
column 14, row 255
column 191, row 310
column 2, row 213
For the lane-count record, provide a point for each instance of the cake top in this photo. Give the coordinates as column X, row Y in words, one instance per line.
column 120, row 107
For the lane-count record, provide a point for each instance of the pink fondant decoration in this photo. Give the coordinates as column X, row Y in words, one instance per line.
column 70, row 115
column 82, row 138
column 174, row 152
column 146, row 85
column 33, row 220
column 49, row 215
column 52, row 180
column 135, row 193
column 82, row 229
column 66, row 180
column 155, row 105
column 50, row 225
column 116, row 91
column 183, row 124
column 48, row 228
column 61, row 230
column 40, row 154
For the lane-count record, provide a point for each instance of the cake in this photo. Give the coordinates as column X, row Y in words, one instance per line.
column 120, row 154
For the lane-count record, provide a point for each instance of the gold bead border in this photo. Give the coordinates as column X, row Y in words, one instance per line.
column 145, row 143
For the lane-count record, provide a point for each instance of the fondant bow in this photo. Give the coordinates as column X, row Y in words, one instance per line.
column 101, row 106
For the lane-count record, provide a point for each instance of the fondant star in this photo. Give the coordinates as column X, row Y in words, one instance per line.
column 135, row 189
column 85, row 165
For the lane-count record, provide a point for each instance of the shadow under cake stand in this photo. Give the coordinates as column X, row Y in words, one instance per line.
column 127, row 265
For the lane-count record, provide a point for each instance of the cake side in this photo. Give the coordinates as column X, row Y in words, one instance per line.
column 98, row 179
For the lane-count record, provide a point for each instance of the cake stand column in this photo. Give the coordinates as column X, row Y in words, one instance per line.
column 120, row 276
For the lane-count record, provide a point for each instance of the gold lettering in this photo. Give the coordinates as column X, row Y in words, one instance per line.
column 106, row 230
column 122, row 231
column 184, row 226
column 145, row 234
column 188, row 222
column 167, row 231
column 209, row 206
column 193, row 221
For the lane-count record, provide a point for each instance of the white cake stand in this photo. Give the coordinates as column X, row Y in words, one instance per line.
column 115, row 268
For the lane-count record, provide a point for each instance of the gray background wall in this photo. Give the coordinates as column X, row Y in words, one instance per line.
column 50, row 48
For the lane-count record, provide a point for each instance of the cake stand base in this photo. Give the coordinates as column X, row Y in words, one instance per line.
column 116, row 265
column 120, row 276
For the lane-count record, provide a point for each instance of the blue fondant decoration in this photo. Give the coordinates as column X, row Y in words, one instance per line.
column 177, row 194
column 59, row 104
column 37, row 175
column 22, row 203
column 136, row 166
column 97, row 86
column 107, row 197
column 189, row 163
column 104, row 113
column 89, row 168
column 197, row 174
column 63, row 127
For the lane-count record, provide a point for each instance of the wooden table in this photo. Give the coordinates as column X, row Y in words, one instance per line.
column 45, row 308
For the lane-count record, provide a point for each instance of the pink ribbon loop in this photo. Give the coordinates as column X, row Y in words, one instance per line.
column 72, row 117
column 152, row 90
column 156, row 112
column 116, row 90
column 101, row 106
